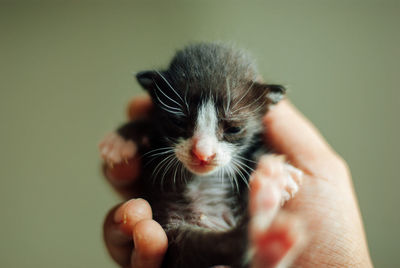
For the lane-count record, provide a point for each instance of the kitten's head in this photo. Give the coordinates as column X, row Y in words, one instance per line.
column 210, row 104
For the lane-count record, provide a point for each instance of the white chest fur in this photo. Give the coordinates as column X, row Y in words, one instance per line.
column 209, row 197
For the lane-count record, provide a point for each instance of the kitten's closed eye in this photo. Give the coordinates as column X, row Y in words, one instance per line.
column 233, row 130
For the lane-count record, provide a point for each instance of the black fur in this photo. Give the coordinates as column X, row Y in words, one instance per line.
column 197, row 73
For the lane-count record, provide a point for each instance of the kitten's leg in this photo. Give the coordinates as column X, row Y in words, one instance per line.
column 197, row 247
column 274, row 240
column 265, row 238
column 287, row 177
column 279, row 244
column 114, row 149
column 124, row 143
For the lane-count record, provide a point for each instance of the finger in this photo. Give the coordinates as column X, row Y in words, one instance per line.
column 118, row 228
column 122, row 176
column 139, row 106
column 151, row 243
column 290, row 133
column 131, row 212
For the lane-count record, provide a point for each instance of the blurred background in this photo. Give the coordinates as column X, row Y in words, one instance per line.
column 65, row 80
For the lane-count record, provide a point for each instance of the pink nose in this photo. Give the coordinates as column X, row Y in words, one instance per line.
column 203, row 150
column 202, row 157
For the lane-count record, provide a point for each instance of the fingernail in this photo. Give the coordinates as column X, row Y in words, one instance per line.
column 120, row 215
column 296, row 174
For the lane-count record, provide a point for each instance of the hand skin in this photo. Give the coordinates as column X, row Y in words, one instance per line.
column 326, row 201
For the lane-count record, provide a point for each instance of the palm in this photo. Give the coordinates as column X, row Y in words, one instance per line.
column 325, row 203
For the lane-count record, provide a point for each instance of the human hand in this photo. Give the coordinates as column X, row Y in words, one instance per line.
column 326, row 178
column 132, row 238
column 326, row 201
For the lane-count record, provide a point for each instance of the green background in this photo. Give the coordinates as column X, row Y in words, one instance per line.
column 65, row 79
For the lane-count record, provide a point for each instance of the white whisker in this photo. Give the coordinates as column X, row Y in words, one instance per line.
column 157, row 169
column 241, row 175
column 185, row 98
column 247, row 91
column 158, row 154
column 166, row 81
column 168, row 166
column 158, row 149
column 233, row 178
column 228, row 87
column 168, row 96
column 168, row 108
column 246, row 159
column 176, row 164
column 248, row 105
column 242, row 163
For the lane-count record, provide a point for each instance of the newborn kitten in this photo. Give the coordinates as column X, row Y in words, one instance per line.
column 199, row 146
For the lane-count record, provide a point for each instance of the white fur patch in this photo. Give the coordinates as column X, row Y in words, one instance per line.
column 205, row 129
column 204, row 141
column 208, row 195
column 207, row 120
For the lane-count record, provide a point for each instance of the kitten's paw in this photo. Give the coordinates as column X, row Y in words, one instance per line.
column 293, row 181
column 286, row 177
column 272, row 184
column 114, row 149
column 275, row 237
column 279, row 244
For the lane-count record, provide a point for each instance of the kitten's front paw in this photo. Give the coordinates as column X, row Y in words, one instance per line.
column 279, row 244
column 275, row 238
column 286, row 177
column 114, row 149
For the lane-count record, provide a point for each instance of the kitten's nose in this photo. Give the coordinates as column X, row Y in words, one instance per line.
column 203, row 149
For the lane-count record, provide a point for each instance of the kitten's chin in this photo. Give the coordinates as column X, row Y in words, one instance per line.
column 199, row 167
column 201, row 170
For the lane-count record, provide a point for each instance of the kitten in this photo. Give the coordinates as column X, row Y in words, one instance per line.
column 199, row 146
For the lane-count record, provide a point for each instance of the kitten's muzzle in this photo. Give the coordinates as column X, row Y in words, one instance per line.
column 203, row 150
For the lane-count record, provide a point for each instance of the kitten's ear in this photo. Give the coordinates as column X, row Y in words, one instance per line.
column 147, row 79
column 274, row 93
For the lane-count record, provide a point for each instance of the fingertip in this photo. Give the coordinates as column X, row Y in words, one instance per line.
column 282, row 107
column 132, row 212
column 139, row 106
column 118, row 243
column 151, row 243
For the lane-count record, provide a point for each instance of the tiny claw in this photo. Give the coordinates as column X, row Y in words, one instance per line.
column 125, row 219
column 110, row 164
